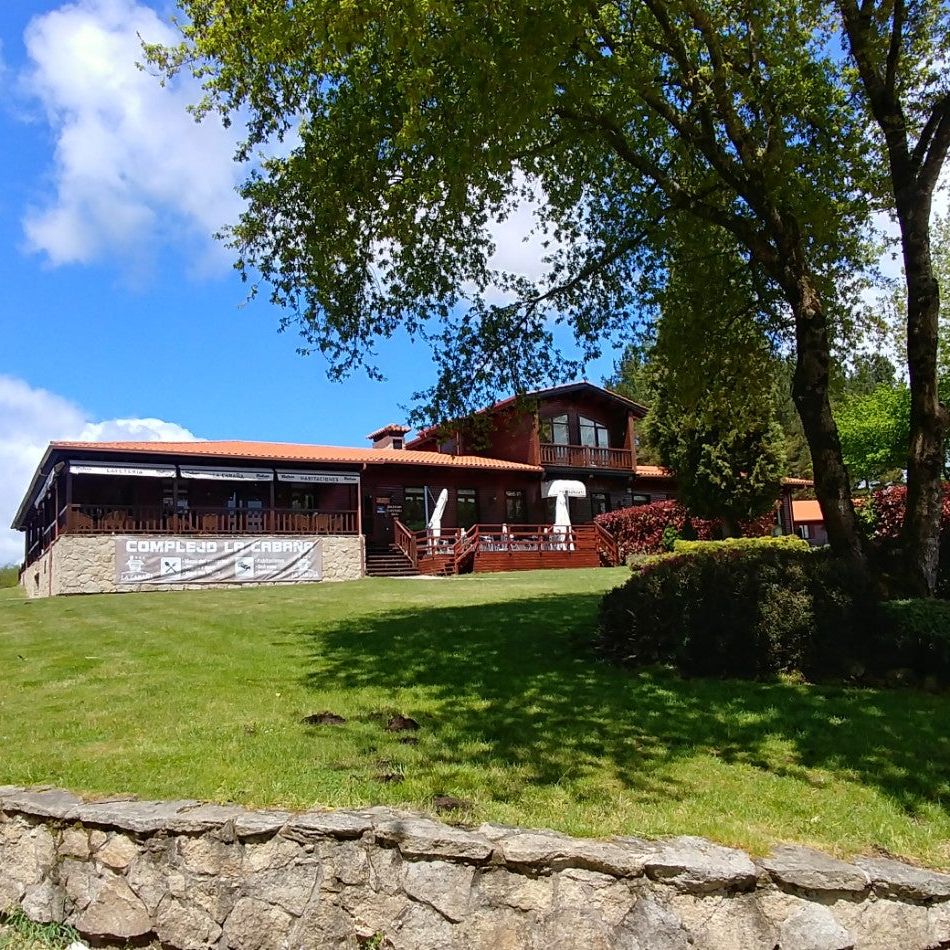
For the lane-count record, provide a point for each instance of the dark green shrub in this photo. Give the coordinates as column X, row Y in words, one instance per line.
column 739, row 611
column 916, row 636
column 670, row 537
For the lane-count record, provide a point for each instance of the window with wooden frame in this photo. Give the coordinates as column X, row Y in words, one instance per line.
column 466, row 506
column 555, row 430
column 593, row 434
column 515, row 508
column 414, row 509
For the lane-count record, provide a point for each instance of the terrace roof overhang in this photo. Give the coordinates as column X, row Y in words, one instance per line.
column 240, row 456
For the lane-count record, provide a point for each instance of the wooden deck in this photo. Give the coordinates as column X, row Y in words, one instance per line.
column 494, row 548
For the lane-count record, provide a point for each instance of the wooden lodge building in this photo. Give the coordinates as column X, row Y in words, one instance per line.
column 110, row 516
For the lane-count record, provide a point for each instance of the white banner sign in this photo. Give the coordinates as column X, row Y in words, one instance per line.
column 319, row 478
column 103, row 468
column 226, row 474
column 217, row 560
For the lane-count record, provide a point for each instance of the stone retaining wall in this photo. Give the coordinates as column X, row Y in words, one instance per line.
column 195, row 875
column 85, row 564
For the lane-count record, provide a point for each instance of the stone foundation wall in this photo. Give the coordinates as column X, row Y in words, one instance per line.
column 196, row 876
column 85, row 564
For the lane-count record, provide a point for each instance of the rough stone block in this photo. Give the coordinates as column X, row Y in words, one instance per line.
column 444, row 886
column 699, row 866
column 256, row 925
column 117, row 853
column 651, row 926
column 814, row 927
column 897, row 879
column 330, row 824
column 114, row 912
column 184, row 926
column 809, row 870
column 547, row 850
column 424, row 838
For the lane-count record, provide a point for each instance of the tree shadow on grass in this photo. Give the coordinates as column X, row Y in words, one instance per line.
column 516, row 683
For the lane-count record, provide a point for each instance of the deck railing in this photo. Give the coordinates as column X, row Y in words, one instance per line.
column 134, row 519
column 585, row 456
column 419, row 545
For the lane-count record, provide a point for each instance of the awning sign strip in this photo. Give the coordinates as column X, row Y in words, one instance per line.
column 318, row 478
column 110, row 468
column 210, row 473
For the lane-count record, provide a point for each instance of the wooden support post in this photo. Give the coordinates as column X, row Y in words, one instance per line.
column 271, row 515
column 56, row 506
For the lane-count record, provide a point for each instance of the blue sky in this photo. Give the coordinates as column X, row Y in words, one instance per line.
column 115, row 304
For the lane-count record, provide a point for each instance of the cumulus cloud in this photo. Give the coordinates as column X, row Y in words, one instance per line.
column 30, row 419
column 131, row 166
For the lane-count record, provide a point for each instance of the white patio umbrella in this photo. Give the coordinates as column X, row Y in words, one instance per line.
column 560, row 489
column 434, row 526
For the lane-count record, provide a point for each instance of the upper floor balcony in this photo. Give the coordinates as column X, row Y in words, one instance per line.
column 586, row 456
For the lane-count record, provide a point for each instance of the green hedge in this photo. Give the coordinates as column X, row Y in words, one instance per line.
column 755, row 610
column 740, row 610
column 916, row 637
column 783, row 542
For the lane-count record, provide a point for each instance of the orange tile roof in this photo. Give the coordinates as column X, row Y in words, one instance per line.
column 290, row 452
column 653, row 471
column 806, row 509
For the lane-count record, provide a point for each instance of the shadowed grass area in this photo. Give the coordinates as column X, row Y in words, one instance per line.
column 202, row 695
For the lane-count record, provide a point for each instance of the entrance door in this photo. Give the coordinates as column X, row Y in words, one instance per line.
column 384, row 505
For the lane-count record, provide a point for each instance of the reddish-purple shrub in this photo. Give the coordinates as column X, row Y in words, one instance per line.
column 639, row 530
column 888, row 505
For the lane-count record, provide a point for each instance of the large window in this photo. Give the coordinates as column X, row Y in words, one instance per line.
column 593, row 433
column 414, row 509
column 466, row 507
column 555, row 430
column 514, row 506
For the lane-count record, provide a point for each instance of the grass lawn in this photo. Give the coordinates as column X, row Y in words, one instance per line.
column 202, row 694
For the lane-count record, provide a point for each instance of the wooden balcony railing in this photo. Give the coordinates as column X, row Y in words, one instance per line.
column 452, row 549
column 125, row 519
column 585, row 456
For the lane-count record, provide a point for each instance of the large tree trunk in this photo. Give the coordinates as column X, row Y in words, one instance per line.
column 810, row 392
column 928, row 418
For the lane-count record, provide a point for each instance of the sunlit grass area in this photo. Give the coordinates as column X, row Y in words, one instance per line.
column 202, row 695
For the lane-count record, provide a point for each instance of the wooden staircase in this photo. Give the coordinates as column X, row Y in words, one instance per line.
column 389, row 562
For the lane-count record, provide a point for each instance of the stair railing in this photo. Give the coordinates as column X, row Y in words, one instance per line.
column 405, row 540
column 466, row 544
column 607, row 545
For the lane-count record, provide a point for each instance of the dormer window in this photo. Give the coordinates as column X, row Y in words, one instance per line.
column 593, row 434
column 397, row 443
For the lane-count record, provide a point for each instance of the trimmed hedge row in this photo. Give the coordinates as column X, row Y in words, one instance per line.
column 757, row 610
column 741, row 544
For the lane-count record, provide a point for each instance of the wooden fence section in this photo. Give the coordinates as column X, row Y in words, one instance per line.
column 534, row 547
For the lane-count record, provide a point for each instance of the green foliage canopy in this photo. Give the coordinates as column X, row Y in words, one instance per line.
column 412, row 125
column 713, row 419
column 874, row 429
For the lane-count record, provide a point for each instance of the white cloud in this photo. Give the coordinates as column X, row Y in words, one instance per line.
column 32, row 418
column 131, row 166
